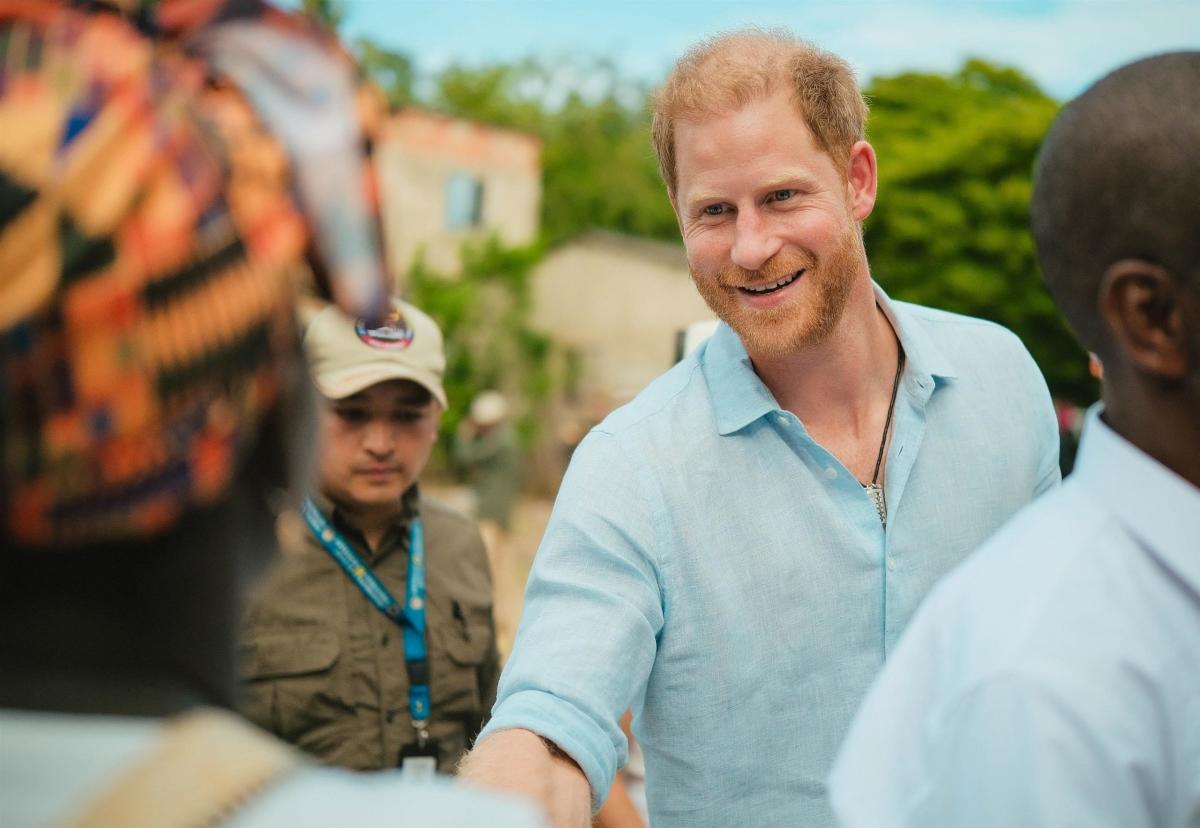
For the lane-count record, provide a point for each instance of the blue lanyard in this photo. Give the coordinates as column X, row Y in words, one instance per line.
column 410, row 615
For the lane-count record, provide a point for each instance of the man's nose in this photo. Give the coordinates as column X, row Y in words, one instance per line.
column 755, row 240
column 380, row 438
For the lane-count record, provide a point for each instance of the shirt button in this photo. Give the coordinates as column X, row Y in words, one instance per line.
column 891, row 564
column 391, row 714
column 783, row 420
column 831, row 473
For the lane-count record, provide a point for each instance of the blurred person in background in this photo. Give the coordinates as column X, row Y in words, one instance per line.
column 371, row 644
column 1053, row 679
column 487, row 454
column 154, row 410
column 734, row 554
column 1070, row 421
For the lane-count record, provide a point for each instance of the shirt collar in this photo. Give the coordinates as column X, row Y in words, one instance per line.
column 338, row 519
column 740, row 397
column 1154, row 504
column 923, row 357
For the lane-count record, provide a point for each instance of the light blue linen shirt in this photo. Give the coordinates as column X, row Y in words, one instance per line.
column 711, row 566
column 1053, row 679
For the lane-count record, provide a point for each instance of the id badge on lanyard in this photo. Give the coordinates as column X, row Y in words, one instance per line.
column 417, row 760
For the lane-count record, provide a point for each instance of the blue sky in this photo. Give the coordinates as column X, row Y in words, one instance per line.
column 1062, row 44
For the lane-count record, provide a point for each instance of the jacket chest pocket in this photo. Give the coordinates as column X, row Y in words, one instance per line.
column 463, row 642
column 293, row 686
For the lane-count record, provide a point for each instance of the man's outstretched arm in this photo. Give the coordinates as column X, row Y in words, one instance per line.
column 586, row 645
column 521, row 762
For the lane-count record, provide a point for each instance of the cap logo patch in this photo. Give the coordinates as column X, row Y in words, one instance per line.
column 392, row 333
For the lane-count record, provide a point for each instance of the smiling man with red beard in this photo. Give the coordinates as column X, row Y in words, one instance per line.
column 735, row 553
column 371, row 645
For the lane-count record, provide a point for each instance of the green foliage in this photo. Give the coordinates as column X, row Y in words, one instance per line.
column 390, row 71
column 950, row 227
column 484, row 313
column 501, row 94
column 600, row 171
column 329, row 12
column 598, row 167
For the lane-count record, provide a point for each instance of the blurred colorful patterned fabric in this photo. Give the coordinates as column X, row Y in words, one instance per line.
column 150, row 244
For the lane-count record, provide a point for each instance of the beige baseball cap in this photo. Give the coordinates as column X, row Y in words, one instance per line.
column 489, row 408
column 346, row 355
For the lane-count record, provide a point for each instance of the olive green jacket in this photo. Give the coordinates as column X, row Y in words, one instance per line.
column 324, row 669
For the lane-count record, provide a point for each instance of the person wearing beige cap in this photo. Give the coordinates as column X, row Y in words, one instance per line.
column 487, row 453
column 372, row 644
column 488, row 457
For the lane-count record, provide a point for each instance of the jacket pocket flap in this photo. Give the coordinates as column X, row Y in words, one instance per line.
column 289, row 654
column 469, row 640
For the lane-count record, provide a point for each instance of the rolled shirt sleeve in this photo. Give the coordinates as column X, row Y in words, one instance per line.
column 593, row 611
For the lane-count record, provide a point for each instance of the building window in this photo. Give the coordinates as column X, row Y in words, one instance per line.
column 464, row 201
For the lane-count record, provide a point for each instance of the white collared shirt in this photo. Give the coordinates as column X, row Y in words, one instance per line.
column 1054, row 678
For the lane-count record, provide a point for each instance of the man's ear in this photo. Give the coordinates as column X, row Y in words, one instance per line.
column 1145, row 308
column 862, row 180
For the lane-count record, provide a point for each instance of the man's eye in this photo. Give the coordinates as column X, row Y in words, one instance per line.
column 781, row 195
column 714, row 210
column 354, row 416
column 405, row 416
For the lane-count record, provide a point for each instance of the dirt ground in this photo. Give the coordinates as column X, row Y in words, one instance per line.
column 513, row 559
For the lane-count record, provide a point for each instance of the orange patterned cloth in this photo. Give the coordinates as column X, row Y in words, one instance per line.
column 149, row 247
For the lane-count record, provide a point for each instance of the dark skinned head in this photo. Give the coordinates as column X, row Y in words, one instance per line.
column 1116, row 221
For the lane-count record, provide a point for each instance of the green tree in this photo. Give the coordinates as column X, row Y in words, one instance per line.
column 329, row 12
column 484, row 313
column 391, row 71
column 501, row 94
column 950, row 228
column 598, row 167
column 600, row 171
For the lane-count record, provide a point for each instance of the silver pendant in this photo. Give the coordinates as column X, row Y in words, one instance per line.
column 876, row 493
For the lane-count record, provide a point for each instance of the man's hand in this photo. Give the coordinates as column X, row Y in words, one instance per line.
column 520, row 762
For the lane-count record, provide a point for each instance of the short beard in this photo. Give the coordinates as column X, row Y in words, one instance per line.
column 790, row 327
